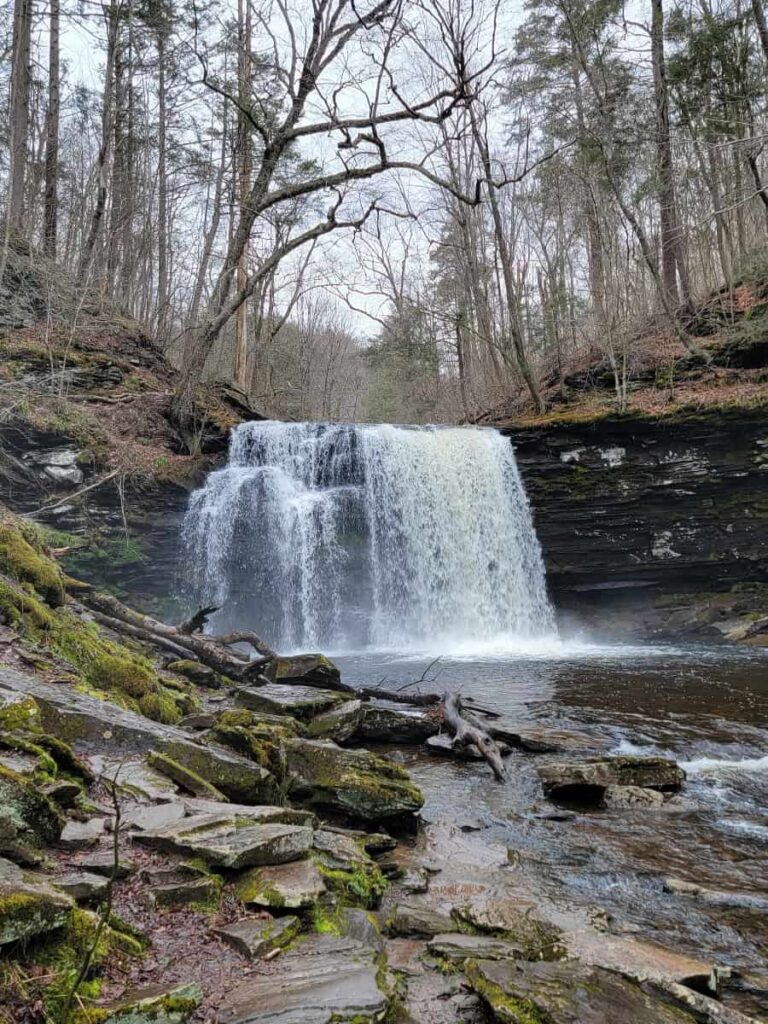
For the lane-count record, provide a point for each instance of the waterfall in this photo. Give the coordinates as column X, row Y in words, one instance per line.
column 337, row 536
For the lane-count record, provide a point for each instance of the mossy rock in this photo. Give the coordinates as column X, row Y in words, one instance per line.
column 155, row 1004
column 362, row 885
column 184, row 777
column 27, row 908
column 27, row 817
column 19, row 713
column 21, row 558
column 351, row 782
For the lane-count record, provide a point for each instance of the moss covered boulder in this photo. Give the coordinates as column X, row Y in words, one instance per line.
column 28, row 908
column 354, row 783
column 28, row 818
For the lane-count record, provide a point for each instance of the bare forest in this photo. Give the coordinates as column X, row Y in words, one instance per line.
column 407, row 210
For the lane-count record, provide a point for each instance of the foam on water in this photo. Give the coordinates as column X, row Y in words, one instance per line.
column 346, row 537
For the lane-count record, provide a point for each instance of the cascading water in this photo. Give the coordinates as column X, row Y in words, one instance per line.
column 336, row 537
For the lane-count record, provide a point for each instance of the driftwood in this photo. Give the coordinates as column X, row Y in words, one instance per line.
column 196, row 623
column 468, row 732
column 215, row 652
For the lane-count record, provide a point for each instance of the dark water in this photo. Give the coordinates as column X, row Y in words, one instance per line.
column 707, row 707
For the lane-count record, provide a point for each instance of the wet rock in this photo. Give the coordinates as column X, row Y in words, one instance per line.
column 361, row 926
column 156, row 1004
column 587, row 780
column 250, row 812
column 457, row 948
column 340, row 723
column 81, row 719
column 102, row 862
column 541, row 739
column 82, row 886
column 185, row 892
column 184, row 777
column 414, row 880
column 302, row 702
column 79, row 835
column 313, row 668
column 148, row 817
column 419, row 920
column 396, row 723
column 353, row 782
column 337, row 850
column 516, row 921
column 28, row 907
column 620, row 798
column 320, row 980
column 134, row 777
column 433, row 998
column 294, row 886
column 717, row 897
column 443, row 745
column 565, row 993
column 28, row 818
column 404, row 956
column 253, row 937
column 227, row 845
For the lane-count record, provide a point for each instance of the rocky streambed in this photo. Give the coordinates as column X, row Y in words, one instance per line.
column 178, row 845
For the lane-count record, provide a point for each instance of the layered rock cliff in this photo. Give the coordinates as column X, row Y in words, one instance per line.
column 653, row 523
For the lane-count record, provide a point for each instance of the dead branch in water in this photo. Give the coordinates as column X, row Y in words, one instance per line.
column 468, row 732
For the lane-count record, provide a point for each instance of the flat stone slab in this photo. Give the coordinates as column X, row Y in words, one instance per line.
column 30, row 906
column 79, row 835
column 147, row 817
column 626, row 798
column 340, row 723
column 596, row 774
column 541, row 739
column 566, row 993
column 229, row 845
column 251, row 812
column 640, row 961
column 388, row 721
column 322, row 979
column 339, row 851
column 253, row 937
column 184, row 892
column 98, row 726
column 457, row 947
column 302, row 702
column 293, row 886
column 134, row 776
column 82, row 886
column 498, row 913
column 102, row 862
column 419, row 920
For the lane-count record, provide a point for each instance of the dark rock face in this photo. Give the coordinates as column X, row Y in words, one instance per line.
column 632, row 511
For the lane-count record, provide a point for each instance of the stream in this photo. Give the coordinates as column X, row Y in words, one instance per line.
column 705, row 706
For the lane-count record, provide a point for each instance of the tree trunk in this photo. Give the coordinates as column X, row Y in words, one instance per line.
column 21, row 79
column 162, row 191
column 762, row 29
column 240, row 364
column 50, row 209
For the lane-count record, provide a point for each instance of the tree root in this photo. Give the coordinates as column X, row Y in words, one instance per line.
column 468, row 732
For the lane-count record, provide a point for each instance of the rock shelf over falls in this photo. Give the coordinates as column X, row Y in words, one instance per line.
column 343, row 536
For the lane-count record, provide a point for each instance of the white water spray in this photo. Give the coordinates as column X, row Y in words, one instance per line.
column 340, row 537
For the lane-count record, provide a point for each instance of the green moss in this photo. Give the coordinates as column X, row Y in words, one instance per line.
column 20, row 714
column 22, row 561
column 360, row 886
column 160, row 707
column 184, row 776
column 46, row 770
column 506, row 1008
column 33, row 815
column 326, row 920
column 251, row 888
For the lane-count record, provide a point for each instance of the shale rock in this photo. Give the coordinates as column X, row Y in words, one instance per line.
column 148, row 817
column 565, row 993
column 82, row 885
column 256, row 936
column 458, row 948
column 229, row 845
column 396, row 723
column 156, row 1004
column 322, row 979
column 294, row 886
column 95, row 724
column 340, row 723
column 587, row 780
column 79, row 835
column 184, row 777
column 312, row 668
column 515, row 921
column 352, row 782
column 28, row 818
column 185, row 892
column 419, row 920
column 302, row 702
column 623, row 798
column 102, row 862
column 28, row 907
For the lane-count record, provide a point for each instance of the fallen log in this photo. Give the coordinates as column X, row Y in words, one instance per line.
column 196, row 623
column 468, row 732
